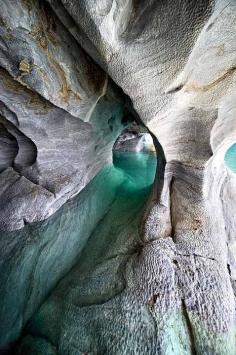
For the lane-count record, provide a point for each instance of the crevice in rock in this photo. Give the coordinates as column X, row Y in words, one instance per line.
column 175, row 89
column 171, row 209
column 203, row 88
column 189, row 327
column 26, row 153
column 229, row 269
column 8, row 147
column 8, row 114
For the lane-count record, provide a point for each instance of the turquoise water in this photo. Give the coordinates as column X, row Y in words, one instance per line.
column 138, row 168
column 230, row 158
column 103, row 220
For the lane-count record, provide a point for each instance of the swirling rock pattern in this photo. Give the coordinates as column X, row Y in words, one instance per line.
column 60, row 114
column 176, row 62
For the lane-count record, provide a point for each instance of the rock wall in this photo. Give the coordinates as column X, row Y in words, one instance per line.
column 60, row 114
column 134, row 139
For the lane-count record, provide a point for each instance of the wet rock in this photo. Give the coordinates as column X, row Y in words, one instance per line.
column 134, row 140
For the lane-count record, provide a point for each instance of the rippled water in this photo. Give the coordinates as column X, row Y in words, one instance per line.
column 230, row 158
column 35, row 258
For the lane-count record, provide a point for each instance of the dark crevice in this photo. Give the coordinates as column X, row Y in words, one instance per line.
column 8, row 114
column 26, row 154
column 190, row 328
column 171, row 209
column 229, row 269
column 175, row 89
column 8, row 147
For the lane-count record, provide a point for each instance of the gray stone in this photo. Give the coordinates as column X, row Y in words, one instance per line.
column 60, row 112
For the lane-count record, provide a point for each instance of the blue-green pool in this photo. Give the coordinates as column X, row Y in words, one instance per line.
column 230, row 158
column 79, row 235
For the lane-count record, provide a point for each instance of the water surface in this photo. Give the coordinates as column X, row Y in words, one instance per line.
column 230, row 158
column 101, row 221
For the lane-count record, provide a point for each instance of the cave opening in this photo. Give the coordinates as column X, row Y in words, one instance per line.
column 134, row 153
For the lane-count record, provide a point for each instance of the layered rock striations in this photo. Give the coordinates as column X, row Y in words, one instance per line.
column 60, row 114
column 176, row 62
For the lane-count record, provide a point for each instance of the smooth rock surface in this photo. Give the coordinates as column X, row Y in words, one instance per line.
column 59, row 111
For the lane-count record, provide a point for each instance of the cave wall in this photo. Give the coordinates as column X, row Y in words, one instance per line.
column 59, row 111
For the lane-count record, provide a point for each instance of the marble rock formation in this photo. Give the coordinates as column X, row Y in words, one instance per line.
column 176, row 62
column 59, row 113
column 134, row 139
